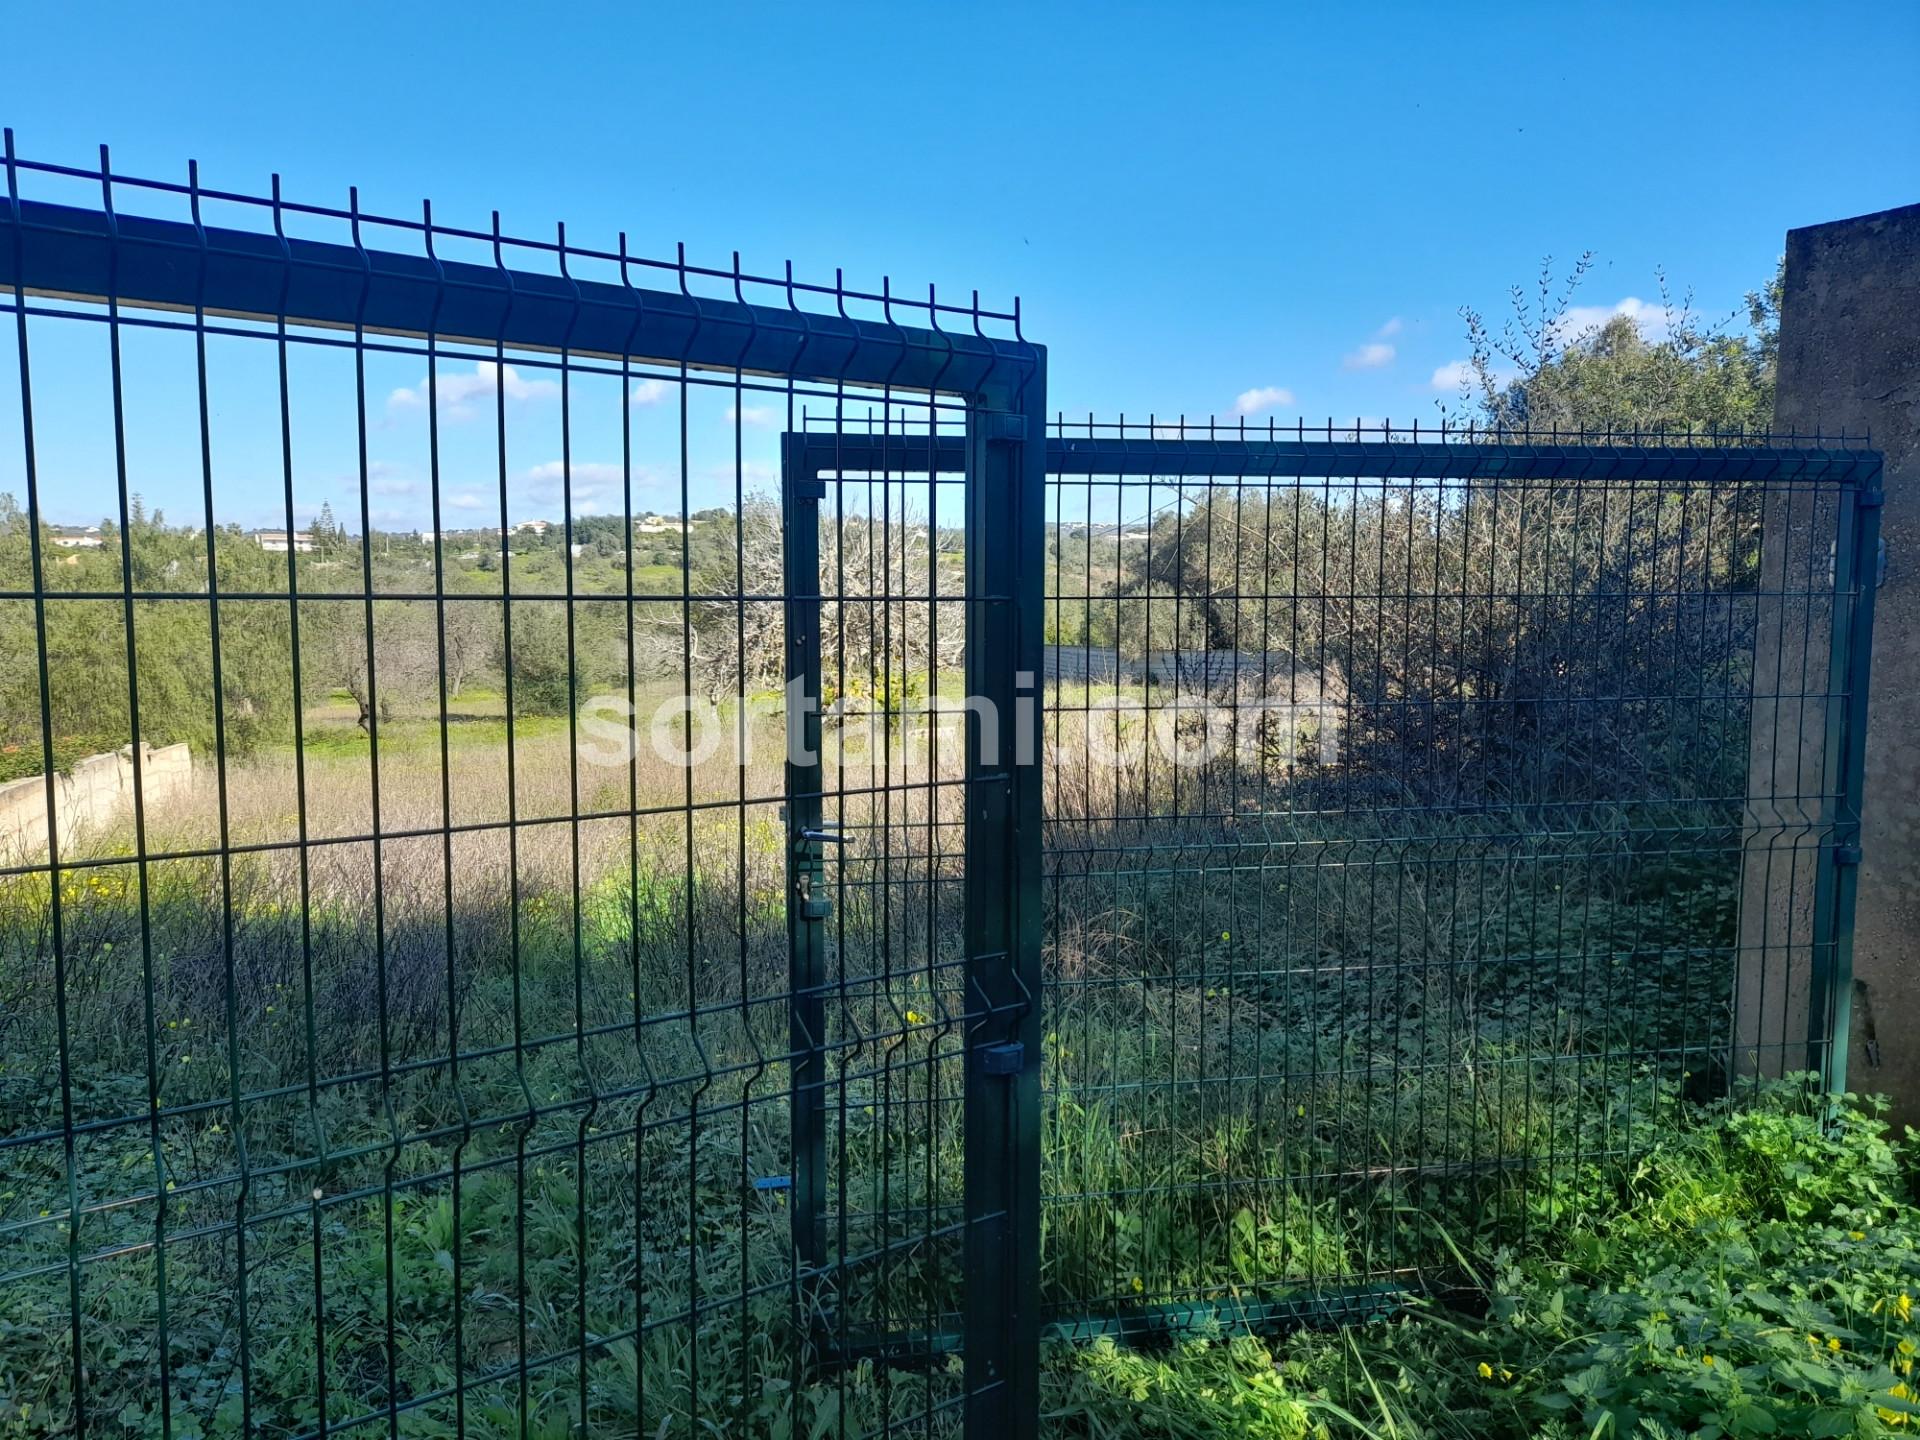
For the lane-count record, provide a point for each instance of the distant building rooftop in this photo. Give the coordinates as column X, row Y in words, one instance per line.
column 277, row 541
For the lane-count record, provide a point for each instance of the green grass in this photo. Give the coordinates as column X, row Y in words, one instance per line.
column 1214, row 1037
column 1587, row 1296
column 421, row 737
column 1753, row 1274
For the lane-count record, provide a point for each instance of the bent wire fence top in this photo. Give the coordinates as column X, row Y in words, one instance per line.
column 744, row 879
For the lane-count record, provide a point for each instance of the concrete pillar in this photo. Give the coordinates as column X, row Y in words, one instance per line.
column 1850, row 362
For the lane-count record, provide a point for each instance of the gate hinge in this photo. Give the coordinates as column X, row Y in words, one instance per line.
column 1870, row 499
column 1007, row 1059
column 809, row 487
column 1846, row 854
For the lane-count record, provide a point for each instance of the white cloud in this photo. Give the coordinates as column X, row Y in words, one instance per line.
column 591, row 473
column 1369, row 357
column 460, row 394
column 759, row 472
column 1455, row 373
column 1390, row 329
column 761, row 416
column 751, row 472
column 593, row 481
column 648, row 392
column 464, row 500
column 1649, row 316
column 1262, row 400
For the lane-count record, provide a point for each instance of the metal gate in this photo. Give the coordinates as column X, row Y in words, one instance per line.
column 1426, row 814
column 912, row 915
column 790, row 884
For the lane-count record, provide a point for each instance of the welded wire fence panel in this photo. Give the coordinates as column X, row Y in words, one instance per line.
column 1425, row 815
column 881, row 896
column 401, row 1022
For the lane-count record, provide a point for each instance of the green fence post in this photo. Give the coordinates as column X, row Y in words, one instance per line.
column 1005, row 552
column 1856, row 579
column 807, row 904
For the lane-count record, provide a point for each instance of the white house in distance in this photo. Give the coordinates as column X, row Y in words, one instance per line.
column 651, row 524
column 76, row 537
column 278, row 542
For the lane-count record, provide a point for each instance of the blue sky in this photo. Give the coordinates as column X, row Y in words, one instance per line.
column 1195, row 203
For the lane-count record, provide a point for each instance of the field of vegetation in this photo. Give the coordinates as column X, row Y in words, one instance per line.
column 482, row 1124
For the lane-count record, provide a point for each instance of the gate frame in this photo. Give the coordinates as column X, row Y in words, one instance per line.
column 1002, row 458
column 1211, row 451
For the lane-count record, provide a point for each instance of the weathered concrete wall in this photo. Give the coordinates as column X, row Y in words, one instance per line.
column 1850, row 362
column 98, row 790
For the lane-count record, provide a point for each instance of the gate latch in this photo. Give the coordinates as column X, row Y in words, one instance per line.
column 812, row 907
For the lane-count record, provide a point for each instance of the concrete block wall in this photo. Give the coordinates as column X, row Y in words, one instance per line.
column 96, row 792
column 1849, row 363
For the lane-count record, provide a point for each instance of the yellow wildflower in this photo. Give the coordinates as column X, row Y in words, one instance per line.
column 1833, row 1342
column 1486, row 1371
